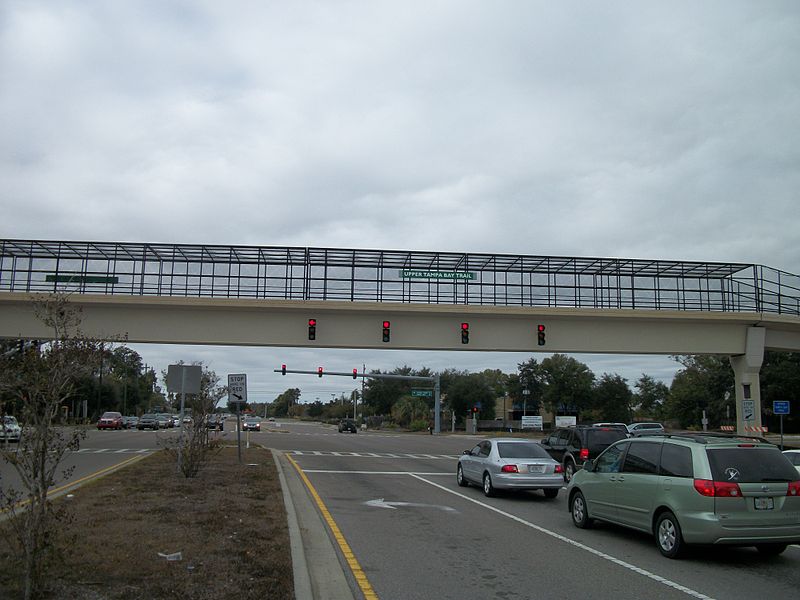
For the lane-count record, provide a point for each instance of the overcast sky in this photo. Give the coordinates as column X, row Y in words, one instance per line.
column 619, row 129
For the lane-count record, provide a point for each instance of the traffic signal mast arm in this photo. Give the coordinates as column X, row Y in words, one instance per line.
column 353, row 374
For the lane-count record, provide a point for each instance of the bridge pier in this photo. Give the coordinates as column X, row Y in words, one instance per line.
column 746, row 369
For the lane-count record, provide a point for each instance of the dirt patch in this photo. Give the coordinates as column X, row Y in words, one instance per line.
column 228, row 523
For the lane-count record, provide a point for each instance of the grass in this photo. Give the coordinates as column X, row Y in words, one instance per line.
column 228, row 523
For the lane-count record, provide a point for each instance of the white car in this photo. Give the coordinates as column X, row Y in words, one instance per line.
column 645, row 428
column 794, row 458
column 10, row 430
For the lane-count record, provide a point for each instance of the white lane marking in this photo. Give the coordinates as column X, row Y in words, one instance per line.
column 371, row 455
column 558, row 536
column 381, row 503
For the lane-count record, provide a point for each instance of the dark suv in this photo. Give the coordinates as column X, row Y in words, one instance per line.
column 347, row 425
column 573, row 446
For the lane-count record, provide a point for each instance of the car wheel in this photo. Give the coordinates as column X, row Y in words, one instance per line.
column 668, row 535
column 460, row 477
column 550, row 492
column 488, row 488
column 579, row 511
column 569, row 470
column 771, row 549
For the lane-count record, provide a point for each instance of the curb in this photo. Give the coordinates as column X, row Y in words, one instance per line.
column 318, row 572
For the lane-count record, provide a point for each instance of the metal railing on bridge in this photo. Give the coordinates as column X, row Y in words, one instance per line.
column 292, row 273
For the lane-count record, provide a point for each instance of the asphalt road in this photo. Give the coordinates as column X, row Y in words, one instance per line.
column 429, row 538
column 417, row 535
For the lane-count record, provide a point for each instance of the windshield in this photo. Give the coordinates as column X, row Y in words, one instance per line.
column 750, row 465
column 511, row 450
column 10, row 420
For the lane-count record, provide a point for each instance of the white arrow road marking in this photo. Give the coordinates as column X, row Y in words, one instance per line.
column 381, row 503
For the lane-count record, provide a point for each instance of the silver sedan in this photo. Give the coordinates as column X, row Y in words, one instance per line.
column 511, row 464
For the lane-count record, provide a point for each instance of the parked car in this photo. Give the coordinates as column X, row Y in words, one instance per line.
column 511, row 464
column 573, row 446
column 187, row 420
column 794, row 458
column 110, row 420
column 10, row 430
column 645, row 428
column 251, row 424
column 692, row 489
column 130, row 422
column 348, row 425
column 148, row 421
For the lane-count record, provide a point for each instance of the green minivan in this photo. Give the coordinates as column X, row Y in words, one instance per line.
column 692, row 488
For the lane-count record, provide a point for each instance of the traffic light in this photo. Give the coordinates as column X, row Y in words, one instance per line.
column 312, row 329
column 474, row 409
column 319, row 372
column 540, row 329
column 465, row 333
column 386, row 331
column 283, row 369
column 355, row 373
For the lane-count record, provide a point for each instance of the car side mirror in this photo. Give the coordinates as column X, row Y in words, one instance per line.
column 465, row 452
column 588, row 466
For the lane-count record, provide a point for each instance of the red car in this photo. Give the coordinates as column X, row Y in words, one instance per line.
column 110, row 420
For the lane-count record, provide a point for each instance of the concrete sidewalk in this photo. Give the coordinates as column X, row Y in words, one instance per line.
column 320, row 572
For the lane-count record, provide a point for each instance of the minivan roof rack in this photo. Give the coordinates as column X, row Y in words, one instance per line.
column 706, row 436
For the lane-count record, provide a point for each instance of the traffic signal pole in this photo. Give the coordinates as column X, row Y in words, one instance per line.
column 437, row 423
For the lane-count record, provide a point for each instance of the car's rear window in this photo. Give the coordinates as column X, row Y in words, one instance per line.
column 506, row 450
column 794, row 457
column 598, row 439
column 749, row 465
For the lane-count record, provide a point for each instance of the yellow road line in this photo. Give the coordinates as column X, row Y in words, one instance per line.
column 99, row 473
column 358, row 572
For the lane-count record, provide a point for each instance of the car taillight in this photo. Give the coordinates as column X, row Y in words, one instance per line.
column 509, row 469
column 584, row 454
column 794, row 488
column 558, row 469
column 718, row 489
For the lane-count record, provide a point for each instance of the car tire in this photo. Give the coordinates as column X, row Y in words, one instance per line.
column 668, row 535
column 488, row 488
column 579, row 511
column 569, row 470
column 460, row 479
column 550, row 492
column 771, row 549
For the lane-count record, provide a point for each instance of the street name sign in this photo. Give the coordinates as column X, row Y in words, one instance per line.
column 780, row 407
column 421, row 393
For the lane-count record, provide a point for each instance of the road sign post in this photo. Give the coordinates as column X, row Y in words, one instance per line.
column 237, row 394
column 780, row 407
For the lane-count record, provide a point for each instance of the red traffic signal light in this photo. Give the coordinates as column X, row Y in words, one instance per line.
column 355, row 373
column 386, row 331
column 540, row 329
column 319, row 372
column 312, row 329
column 283, row 369
column 465, row 333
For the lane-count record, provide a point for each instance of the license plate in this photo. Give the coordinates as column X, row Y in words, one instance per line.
column 535, row 468
column 765, row 503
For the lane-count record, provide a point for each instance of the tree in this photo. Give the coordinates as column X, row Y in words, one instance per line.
column 471, row 390
column 706, row 382
column 567, row 384
column 281, row 404
column 410, row 411
column 613, row 398
column 42, row 380
column 194, row 447
column 650, row 397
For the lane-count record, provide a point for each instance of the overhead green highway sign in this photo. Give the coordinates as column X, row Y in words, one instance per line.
column 413, row 274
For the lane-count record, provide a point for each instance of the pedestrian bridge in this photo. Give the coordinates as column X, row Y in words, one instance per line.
column 265, row 296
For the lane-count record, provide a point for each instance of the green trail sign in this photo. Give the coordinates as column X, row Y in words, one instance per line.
column 422, row 393
column 412, row 274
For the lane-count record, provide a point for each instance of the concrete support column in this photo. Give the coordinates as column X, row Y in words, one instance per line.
column 746, row 369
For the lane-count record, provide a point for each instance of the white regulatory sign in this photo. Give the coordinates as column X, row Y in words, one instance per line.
column 748, row 410
column 237, row 388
